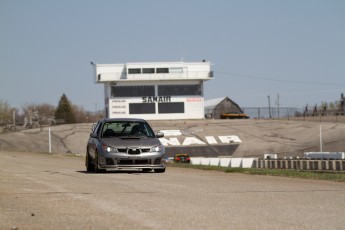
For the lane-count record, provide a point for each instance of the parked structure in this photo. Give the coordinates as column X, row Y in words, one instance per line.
column 155, row 90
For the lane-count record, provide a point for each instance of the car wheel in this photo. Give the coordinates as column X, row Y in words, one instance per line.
column 89, row 166
column 159, row 170
column 96, row 169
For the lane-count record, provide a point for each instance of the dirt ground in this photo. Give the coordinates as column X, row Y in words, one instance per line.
column 283, row 137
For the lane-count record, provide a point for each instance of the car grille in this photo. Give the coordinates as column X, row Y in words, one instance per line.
column 147, row 150
column 133, row 150
column 134, row 162
column 122, row 150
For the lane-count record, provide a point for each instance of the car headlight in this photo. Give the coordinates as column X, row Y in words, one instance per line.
column 156, row 148
column 108, row 149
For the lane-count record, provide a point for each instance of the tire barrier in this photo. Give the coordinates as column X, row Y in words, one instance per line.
column 304, row 164
column 300, row 164
column 325, row 155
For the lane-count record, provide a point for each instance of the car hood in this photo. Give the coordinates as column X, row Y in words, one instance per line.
column 131, row 142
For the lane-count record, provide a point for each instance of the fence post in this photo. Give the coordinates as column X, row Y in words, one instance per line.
column 50, row 140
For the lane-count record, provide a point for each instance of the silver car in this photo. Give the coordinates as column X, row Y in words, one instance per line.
column 124, row 144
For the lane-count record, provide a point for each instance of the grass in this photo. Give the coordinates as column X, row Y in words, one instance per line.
column 314, row 175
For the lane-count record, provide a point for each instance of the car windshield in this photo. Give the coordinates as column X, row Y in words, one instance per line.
column 127, row 129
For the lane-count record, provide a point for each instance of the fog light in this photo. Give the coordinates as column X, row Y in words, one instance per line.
column 109, row 161
column 157, row 161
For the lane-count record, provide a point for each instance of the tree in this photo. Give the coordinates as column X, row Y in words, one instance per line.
column 332, row 105
column 5, row 113
column 43, row 109
column 81, row 115
column 64, row 110
column 42, row 113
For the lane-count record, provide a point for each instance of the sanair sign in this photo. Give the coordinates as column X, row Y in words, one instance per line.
column 180, row 140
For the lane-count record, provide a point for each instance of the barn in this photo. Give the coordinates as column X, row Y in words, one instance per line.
column 214, row 108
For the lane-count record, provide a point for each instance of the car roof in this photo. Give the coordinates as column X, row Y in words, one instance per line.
column 122, row 119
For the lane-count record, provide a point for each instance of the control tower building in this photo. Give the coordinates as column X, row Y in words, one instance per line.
column 154, row 90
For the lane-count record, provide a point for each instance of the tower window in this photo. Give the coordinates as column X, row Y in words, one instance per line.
column 162, row 70
column 134, row 71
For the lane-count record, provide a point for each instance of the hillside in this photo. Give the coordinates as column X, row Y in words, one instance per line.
column 198, row 137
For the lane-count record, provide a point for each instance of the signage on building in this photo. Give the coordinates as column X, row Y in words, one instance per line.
column 156, row 99
column 119, row 106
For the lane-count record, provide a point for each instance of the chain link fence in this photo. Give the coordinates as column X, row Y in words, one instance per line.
column 301, row 114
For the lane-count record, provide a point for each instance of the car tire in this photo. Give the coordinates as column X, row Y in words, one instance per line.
column 159, row 170
column 96, row 169
column 89, row 166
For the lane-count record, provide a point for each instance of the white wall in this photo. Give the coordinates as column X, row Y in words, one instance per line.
column 194, row 109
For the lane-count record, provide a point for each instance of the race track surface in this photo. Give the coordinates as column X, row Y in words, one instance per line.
column 52, row 191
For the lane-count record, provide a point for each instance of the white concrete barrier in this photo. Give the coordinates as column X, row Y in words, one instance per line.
column 224, row 162
column 205, row 161
column 214, row 161
column 196, row 160
column 248, row 162
column 236, row 162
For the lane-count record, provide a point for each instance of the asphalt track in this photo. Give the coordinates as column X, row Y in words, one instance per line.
column 52, row 191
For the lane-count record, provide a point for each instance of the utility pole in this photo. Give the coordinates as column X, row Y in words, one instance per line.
column 277, row 102
column 269, row 106
column 342, row 104
column 14, row 117
column 321, row 144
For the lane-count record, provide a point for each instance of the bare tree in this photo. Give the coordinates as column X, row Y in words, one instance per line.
column 80, row 114
column 43, row 109
column 6, row 113
column 83, row 116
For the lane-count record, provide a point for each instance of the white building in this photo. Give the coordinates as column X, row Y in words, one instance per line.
column 155, row 90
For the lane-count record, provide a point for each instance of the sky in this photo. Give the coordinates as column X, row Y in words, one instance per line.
column 258, row 49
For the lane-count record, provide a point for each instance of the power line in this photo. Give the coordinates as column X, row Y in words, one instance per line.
column 278, row 80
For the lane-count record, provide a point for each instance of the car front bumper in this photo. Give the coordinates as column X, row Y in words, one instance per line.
column 155, row 160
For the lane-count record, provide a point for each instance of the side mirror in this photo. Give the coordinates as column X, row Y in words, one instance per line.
column 93, row 135
column 159, row 135
column 93, row 127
